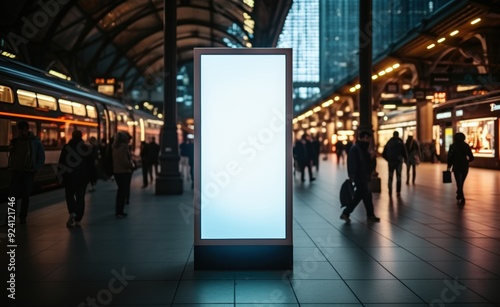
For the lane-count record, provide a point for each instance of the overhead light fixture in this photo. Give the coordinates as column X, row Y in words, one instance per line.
column 396, row 65
column 390, row 106
column 442, row 39
column 454, row 33
column 431, row 46
column 381, row 73
column 352, row 89
column 317, row 109
column 337, row 98
column 357, row 86
column 475, row 21
column 374, row 77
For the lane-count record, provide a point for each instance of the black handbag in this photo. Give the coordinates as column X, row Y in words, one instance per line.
column 446, row 177
column 346, row 193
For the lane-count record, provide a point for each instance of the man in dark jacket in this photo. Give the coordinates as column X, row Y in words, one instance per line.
column 303, row 155
column 459, row 157
column 26, row 157
column 395, row 153
column 74, row 167
column 359, row 171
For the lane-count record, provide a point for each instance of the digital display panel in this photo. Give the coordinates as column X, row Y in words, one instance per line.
column 243, row 145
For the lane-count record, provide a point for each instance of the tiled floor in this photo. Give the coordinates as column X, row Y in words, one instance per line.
column 425, row 251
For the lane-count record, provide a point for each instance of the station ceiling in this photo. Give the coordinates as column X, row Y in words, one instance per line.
column 124, row 39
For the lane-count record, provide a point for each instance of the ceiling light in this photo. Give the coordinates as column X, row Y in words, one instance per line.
column 454, row 33
column 442, row 39
column 374, row 77
column 431, row 46
column 475, row 21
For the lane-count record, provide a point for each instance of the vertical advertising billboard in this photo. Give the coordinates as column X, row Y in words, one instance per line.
column 243, row 141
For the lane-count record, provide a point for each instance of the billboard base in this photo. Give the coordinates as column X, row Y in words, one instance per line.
column 243, row 257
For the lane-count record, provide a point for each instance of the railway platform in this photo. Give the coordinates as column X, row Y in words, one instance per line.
column 426, row 250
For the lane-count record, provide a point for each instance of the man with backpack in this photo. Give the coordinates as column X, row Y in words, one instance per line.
column 395, row 153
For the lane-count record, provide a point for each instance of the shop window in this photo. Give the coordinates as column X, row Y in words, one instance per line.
column 46, row 102
column 480, row 135
column 26, row 98
column 6, row 94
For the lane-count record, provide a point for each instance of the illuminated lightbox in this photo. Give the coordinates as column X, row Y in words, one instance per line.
column 243, row 141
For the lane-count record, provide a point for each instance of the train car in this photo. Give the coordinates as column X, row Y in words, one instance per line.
column 54, row 107
column 478, row 118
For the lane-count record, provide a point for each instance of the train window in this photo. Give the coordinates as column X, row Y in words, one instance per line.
column 91, row 112
column 49, row 135
column 78, row 109
column 6, row 134
column 47, row 102
column 26, row 98
column 65, row 106
column 6, row 94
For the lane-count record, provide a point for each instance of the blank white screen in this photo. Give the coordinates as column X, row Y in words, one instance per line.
column 243, row 146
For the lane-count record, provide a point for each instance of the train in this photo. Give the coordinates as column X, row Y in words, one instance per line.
column 54, row 107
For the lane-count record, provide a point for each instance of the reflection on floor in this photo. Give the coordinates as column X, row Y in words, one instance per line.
column 426, row 249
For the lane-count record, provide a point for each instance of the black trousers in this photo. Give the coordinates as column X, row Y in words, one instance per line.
column 20, row 187
column 362, row 192
column 460, row 180
column 146, row 169
column 302, row 169
column 123, row 183
column 395, row 166
column 75, row 200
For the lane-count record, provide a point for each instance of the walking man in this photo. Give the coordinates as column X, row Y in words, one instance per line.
column 359, row 171
column 395, row 153
column 75, row 167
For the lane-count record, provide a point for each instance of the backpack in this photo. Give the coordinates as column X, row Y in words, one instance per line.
column 346, row 193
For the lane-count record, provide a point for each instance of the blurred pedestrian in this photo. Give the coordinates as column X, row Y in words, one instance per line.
column 122, row 170
column 459, row 157
column 359, row 172
column 75, row 169
column 146, row 163
column 339, row 150
column 434, row 155
column 315, row 150
column 93, row 166
column 303, row 155
column 26, row 158
column 154, row 150
column 413, row 151
column 395, row 153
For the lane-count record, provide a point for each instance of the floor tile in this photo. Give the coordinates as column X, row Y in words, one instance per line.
column 264, row 292
column 382, row 291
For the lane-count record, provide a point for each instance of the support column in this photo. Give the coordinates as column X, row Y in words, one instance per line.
column 169, row 181
column 365, row 65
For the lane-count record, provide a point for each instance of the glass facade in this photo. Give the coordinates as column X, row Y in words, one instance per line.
column 324, row 35
column 301, row 33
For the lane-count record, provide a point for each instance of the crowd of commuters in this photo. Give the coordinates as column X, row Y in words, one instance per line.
column 79, row 163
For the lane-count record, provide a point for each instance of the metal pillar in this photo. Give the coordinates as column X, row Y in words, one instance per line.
column 365, row 65
column 169, row 181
